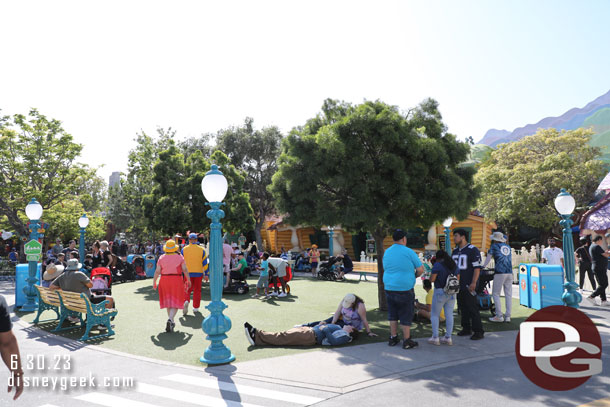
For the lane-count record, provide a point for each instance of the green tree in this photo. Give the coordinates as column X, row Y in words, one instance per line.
column 370, row 168
column 63, row 222
column 176, row 203
column 255, row 152
column 519, row 181
column 38, row 160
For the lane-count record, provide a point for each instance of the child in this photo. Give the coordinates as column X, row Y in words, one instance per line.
column 424, row 310
column 263, row 280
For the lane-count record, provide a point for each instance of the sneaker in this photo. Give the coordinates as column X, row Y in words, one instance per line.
column 409, row 344
column 446, row 341
column 591, row 300
column 506, row 319
column 477, row 335
column 434, row 341
column 464, row 332
column 250, row 333
column 497, row 318
column 185, row 309
column 168, row 326
column 393, row 340
column 74, row 320
column 195, row 310
column 173, row 326
column 273, row 294
column 255, row 296
column 605, row 304
column 282, row 295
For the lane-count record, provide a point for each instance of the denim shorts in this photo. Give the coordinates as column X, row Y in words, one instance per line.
column 263, row 281
column 401, row 306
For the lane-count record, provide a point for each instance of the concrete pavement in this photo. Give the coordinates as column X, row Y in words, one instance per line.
column 477, row 373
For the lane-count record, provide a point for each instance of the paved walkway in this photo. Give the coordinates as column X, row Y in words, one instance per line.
column 474, row 373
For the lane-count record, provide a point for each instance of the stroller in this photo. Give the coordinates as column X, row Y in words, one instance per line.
column 136, row 265
column 484, row 300
column 101, row 278
column 329, row 270
column 273, row 284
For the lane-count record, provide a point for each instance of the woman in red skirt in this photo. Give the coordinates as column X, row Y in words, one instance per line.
column 171, row 267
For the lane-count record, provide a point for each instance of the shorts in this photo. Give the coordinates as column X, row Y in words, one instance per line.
column 314, row 265
column 401, row 306
column 263, row 281
column 281, row 271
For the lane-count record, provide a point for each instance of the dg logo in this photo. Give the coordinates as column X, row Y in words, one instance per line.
column 559, row 348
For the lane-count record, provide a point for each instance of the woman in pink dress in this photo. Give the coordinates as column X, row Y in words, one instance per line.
column 171, row 268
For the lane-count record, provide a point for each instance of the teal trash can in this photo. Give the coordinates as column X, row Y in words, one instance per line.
column 150, row 264
column 21, row 275
column 546, row 286
column 524, row 285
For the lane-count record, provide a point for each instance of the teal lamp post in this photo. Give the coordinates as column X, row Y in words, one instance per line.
column 565, row 204
column 447, row 225
column 216, row 325
column 34, row 212
column 83, row 222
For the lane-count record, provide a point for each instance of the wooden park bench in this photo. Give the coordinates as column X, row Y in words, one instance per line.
column 76, row 304
column 47, row 300
column 364, row 268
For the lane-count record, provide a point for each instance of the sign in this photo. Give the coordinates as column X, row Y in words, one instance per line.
column 33, row 257
column 33, row 247
column 559, row 348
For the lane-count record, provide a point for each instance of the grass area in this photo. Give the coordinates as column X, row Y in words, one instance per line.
column 140, row 324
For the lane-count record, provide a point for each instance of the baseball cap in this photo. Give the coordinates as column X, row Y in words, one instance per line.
column 349, row 300
column 193, row 236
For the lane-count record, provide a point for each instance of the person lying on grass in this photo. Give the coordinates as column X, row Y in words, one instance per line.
column 329, row 335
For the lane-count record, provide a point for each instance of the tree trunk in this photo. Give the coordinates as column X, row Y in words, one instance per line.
column 259, row 237
column 379, row 236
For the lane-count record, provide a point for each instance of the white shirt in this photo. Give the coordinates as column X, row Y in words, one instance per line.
column 553, row 255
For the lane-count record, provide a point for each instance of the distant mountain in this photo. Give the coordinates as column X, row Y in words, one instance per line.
column 595, row 114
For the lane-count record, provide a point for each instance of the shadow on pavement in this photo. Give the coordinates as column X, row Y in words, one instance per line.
column 171, row 340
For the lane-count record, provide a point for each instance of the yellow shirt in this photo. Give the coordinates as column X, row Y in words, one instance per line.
column 195, row 256
column 429, row 296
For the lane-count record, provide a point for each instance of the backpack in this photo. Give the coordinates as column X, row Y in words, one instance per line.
column 452, row 286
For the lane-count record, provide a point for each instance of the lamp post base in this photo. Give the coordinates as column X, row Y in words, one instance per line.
column 214, row 361
column 571, row 297
column 29, row 308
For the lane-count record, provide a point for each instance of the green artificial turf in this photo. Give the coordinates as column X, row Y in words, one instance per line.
column 140, row 324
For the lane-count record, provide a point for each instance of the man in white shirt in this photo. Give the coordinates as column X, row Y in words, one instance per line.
column 552, row 254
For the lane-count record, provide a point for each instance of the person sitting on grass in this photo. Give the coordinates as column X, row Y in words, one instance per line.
column 263, row 279
column 351, row 311
column 424, row 311
column 328, row 335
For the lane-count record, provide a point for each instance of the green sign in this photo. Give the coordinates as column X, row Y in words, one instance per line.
column 33, row 257
column 33, row 247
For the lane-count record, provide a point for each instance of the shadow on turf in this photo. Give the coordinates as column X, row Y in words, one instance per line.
column 171, row 340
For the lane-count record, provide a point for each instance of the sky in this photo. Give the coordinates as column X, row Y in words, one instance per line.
column 110, row 69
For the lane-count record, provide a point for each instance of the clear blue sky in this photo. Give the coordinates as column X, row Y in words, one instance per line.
column 108, row 69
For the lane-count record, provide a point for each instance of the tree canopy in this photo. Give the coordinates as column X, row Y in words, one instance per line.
column 520, row 180
column 255, row 152
column 371, row 168
column 38, row 160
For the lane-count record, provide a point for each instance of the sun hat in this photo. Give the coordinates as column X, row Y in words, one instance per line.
column 170, row 246
column 349, row 300
column 73, row 265
column 498, row 237
column 53, row 271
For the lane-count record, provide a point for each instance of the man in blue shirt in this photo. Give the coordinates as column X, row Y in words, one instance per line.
column 468, row 259
column 503, row 277
column 401, row 267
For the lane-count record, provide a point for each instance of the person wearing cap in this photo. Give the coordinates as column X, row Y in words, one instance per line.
column 552, row 255
column 401, row 267
column 584, row 262
column 314, row 258
column 196, row 260
column 74, row 280
column 51, row 273
column 503, row 276
column 58, row 247
column 173, row 274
